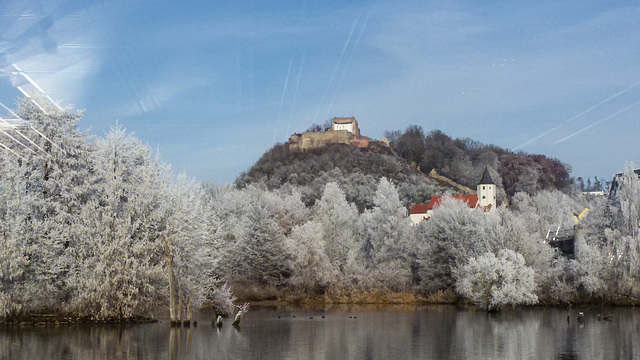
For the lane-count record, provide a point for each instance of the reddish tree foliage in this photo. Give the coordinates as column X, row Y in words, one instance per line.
column 530, row 173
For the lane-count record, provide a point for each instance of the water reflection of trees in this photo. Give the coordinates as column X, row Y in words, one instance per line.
column 353, row 332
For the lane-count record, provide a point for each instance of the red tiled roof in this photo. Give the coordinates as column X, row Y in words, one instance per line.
column 470, row 199
column 418, row 209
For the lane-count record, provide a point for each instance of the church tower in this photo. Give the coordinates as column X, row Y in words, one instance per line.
column 487, row 191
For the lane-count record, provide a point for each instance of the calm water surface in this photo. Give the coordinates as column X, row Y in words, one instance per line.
column 346, row 332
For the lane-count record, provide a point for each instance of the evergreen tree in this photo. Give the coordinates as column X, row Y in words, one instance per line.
column 120, row 272
column 310, row 266
column 339, row 221
column 43, row 190
column 250, row 243
column 387, row 247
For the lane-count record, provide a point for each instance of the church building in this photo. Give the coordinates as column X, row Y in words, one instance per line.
column 485, row 198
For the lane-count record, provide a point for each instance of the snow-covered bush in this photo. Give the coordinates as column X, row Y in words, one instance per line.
column 8, row 307
column 453, row 234
column 223, row 300
column 493, row 282
column 590, row 268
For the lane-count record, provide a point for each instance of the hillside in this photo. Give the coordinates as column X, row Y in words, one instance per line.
column 356, row 170
column 406, row 161
column 464, row 160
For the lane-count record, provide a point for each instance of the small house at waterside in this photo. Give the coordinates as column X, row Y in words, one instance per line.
column 484, row 199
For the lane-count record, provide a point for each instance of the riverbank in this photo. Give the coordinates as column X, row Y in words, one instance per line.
column 375, row 298
column 442, row 297
column 65, row 319
column 355, row 298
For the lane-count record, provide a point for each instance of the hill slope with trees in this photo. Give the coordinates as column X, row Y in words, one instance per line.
column 357, row 171
column 411, row 156
column 464, row 160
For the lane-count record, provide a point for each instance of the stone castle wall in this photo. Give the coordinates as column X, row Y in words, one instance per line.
column 434, row 174
column 349, row 135
column 312, row 140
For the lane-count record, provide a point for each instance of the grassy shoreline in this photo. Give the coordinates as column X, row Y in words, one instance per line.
column 442, row 297
column 382, row 298
column 66, row 319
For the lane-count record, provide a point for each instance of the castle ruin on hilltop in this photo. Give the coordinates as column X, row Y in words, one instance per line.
column 344, row 130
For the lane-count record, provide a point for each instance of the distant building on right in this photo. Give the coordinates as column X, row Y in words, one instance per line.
column 615, row 183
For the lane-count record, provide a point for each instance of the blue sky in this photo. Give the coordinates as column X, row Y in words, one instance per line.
column 212, row 85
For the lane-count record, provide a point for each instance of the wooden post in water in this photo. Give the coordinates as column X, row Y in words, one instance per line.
column 238, row 317
column 243, row 309
column 179, row 319
column 189, row 311
column 172, row 291
column 180, row 302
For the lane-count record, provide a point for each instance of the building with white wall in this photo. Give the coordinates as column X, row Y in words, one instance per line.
column 485, row 198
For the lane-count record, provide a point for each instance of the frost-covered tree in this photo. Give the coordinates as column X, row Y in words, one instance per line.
column 453, row 234
column 311, row 268
column 43, row 189
column 591, row 264
column 15, row 209
column 608, row 261
column 119, row 265
column 547, row 209
column 223, row 300
column 494, row 282
column 516, row 232
column 590, row 268
column 189, row 247
column 628, row 202
column 339, row 221
column 285, row 204
column 249, row 243
column 535, row 216
column 387, row 247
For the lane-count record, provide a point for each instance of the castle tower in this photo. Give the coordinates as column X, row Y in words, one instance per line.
column 487, row 191
column 345, row 123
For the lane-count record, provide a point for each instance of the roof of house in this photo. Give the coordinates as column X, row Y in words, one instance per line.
column 470, row 199
column 486, row 178
column 418, row 209
column 343, row 120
